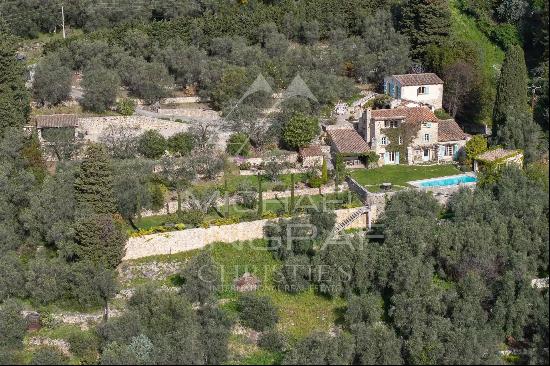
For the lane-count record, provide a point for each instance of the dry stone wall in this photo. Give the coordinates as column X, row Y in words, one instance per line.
column 93, row 127
column 185, row 240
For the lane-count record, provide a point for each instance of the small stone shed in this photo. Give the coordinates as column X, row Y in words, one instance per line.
column 498, row 157
column 311, row 156
column 246, row 283
column 43, row 123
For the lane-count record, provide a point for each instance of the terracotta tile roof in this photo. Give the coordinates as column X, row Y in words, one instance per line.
column 348, row 141
column 312, row 150
column 410, row 114
column 56, row 121
column 496, row 154
column 418, row 79
column 449, row 130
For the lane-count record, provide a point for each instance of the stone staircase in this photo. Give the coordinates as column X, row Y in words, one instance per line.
column 351, row 218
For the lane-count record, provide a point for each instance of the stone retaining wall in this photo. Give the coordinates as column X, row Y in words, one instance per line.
column 185, row 240
column 93, row 127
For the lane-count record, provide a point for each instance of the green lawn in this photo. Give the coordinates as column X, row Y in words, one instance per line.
column 399, row 175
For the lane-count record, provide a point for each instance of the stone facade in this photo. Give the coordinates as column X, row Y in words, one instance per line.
column 426, row 90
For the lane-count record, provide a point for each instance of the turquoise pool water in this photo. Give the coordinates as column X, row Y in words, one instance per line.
column 450, row 181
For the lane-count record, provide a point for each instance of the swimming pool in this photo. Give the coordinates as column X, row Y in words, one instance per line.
column 445, row 181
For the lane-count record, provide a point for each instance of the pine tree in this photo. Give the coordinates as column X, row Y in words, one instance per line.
column 94, row 183
column 511, row 89
column 427, row 23
column 14, row 98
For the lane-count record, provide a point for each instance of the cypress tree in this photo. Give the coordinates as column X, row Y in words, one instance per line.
column 291, row 206
column 99, row 234
column 226, row 197
column 427, row 23
column 511, row 89
column 260, row 197
column 14, row 97
column 94, row 183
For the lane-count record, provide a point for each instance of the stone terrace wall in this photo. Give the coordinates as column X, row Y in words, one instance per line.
column 93, row 127
column 185, row 240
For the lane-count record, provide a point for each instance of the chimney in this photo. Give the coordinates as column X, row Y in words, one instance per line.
column 366, row 118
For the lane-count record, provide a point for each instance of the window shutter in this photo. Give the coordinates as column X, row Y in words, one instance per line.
column 386, row 157
column 397, row 158
column 427, row 90
column 455, row 151
column 441, row 150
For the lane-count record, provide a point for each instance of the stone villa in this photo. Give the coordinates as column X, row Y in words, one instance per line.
column 415, row 89
column 413, row 131
column 409, row 133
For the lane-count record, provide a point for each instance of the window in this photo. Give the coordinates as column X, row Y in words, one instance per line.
column 384, row 140
column 449, row 150
column 426, row 137
column 400, row 140
column 391, row 124
column 392, row 156
column 422, row 90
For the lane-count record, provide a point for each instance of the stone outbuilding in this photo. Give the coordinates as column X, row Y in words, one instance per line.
column 41, row 124
column 246, row 283
column 311, row 156
column 498, row 157
column 349, row 144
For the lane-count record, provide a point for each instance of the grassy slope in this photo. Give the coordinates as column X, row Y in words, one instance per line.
column 465, row 27
column 299, row 314
column 491, row 56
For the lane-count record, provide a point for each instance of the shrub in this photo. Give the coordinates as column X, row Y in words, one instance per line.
column 238, row 144
column 270, row 215
column 83, row 345
column 151, row 144
column 126, row 106
column 49, row 356
column 442, row 114
column 192, row 217
column 475, row 146
column 315, row 182
column 257, row 312
column 379, row 102
column 279, row 187
column 294, row 275
column 300, row 130
column 245, row 166
column 181, row 143
column 247, row 196
column 273, row 341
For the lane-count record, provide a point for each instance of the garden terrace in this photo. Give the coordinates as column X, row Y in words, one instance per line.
column 400, row 175
column 273, row 207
